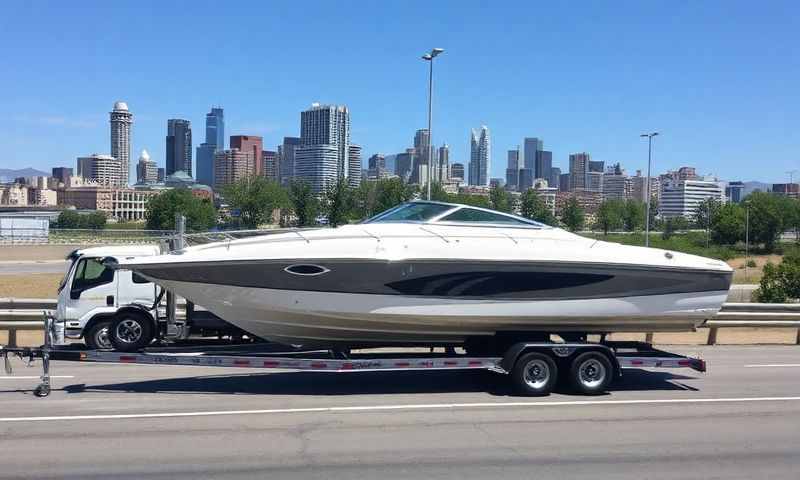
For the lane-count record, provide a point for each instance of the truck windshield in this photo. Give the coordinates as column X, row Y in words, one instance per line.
column 72, row 260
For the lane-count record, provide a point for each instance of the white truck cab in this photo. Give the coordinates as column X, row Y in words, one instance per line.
column 91, row 293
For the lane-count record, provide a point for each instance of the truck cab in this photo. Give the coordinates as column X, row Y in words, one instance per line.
column 91, row 293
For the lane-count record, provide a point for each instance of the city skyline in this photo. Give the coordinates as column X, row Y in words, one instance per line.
column 720, row 99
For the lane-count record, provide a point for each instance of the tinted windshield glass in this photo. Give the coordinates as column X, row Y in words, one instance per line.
column 472, row 215
column 414, row 212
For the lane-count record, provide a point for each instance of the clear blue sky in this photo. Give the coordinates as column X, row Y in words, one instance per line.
column 719, row 79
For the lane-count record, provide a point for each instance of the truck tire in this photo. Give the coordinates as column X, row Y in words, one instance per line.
column 591, row 373
column 534, row 374
column 97, row 337
column 131, row 331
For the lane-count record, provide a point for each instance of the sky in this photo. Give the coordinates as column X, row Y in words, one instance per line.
column 718, row 79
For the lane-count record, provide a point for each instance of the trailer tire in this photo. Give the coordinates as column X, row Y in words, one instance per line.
column 131, row 331
column 591, row 373
column 97, row 338
column 534, row 374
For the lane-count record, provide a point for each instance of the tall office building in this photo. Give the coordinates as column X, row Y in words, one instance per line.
column 354, row 169
column 578, row 170
column 376, row 166
column 318, row 165
column 594, row 182
column 532, row 145
column 231, row 166
column 146, row 169
column 682, row 197
column 563, row 182
column 286, row 158
column 457, row 172
column 103, row 169
column 328, row 125
column 512, row 170
column 253, row 146
column 215, row 141
column 271, row 165
column 597, row 166
column 405, row 164
column 443, row 160
column 544, row 164
column 734, row 191
column 555, row 177
column 179, row 146
column 480, row 157
column 121, row 120
column 62, row 174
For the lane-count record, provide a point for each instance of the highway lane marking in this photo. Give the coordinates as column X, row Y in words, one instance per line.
column 31, row 377
column 765, row 365
column 374, row 408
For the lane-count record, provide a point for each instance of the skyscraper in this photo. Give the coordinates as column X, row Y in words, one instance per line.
column 532, row 145
column 231, row 166
column 578, row 171
column 480, row 157
column 443, row 173
column 376, row 166
column 62, row 174
column 146, row 169
column 121, row 120
column 253, row 146
column 317, row 165
column 457, row 172
column 354, row 169
column 512, row 170
column 405, row 164
column 328, row 125
column 555, row 177
column 215, row 141
column 544, row 164
column 103, row 169
column 286, row 160
column 271, row 165
column 179, row 146
column 597, row 166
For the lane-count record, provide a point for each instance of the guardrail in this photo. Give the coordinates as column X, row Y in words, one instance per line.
column 26, row 314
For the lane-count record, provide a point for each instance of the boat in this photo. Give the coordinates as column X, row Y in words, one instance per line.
column 434, row 273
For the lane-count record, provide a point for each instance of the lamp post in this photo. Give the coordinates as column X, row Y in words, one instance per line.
column 746, row 236
column 428, row 57
column 647, row 186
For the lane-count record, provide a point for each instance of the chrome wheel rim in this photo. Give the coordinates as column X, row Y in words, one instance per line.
column 102, row 339
column 129, row 331
column 592, row 373
column 536, row 374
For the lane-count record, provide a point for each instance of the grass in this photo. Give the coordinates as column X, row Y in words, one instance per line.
column 690, row 242
column 33, row 285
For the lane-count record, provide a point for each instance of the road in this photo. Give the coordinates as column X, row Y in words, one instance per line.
column 740, row 420
column 14, row 267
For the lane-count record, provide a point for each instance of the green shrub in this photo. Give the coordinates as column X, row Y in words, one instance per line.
column 780, row 283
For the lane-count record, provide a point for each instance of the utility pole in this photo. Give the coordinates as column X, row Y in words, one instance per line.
column 647, row 186
column 428, row 57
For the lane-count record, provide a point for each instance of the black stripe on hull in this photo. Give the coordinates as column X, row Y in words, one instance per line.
column 448, row 279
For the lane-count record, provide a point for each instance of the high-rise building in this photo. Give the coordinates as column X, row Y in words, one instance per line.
column 532, row 145
column 121, row 120
column 443, row 173
column 162, row 174
column 328, row 125
column 597, row 166
column 376, row 166
column 682, row 197
column 563, row 182
column 790, row 190
column 578, row 171
column 215, row 141
column 252, row 145
column 231, row 166
column 457, row 172
column 422, row 145
column 639, row 187
column 103, row 169
column 734, row 191
column 286, row 158
column 318, row 165
column 512, row 170
column 480, row 157
column 179, row 146
column 544, row 164
column 271, row 165
column 62, row 174
column 594, row 182
column 146, row 169
column 617, row 185
column 405, row 164
column 354, row 169
column 555, row 177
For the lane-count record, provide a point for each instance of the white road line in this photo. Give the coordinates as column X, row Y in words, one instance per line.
column 31, row 377
column 770, row 365
column 373, row 408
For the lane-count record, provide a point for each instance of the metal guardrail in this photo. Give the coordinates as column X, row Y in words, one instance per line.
column 26, row 314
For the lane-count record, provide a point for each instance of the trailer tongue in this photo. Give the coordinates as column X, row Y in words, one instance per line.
column 533, row 366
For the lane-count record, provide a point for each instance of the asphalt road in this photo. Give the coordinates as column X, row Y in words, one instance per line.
column 131, row 421
column 14, row 267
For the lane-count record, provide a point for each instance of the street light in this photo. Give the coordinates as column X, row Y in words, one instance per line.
column 647, row 186
column 428, row 57
column 746, row 236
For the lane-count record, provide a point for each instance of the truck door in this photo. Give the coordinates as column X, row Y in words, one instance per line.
column 93, row 286
column 133, row 288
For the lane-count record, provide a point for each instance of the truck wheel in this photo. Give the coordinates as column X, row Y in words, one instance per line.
column 130, row 332
column 535, row 374
column 97, row 337
column 591, row 373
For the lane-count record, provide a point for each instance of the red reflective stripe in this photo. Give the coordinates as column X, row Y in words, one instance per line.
column 684, row 363
column 127, row 358
column 347, row 366
column 475, row 362
column 402, row 364
column 241, row 363
column 637, row 362
column 319, row 365
column 450, row 362
column 271, row 363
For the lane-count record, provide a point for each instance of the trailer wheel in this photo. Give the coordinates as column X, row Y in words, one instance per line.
column 535, row 374
column 97, row 338
column 130, row 332
column 591, row 373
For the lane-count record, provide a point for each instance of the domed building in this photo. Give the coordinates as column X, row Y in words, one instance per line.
column 146, row 169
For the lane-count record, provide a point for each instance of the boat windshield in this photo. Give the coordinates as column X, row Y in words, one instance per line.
column 412, row 212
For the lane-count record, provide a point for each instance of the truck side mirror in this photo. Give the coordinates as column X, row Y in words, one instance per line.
column 75, row 293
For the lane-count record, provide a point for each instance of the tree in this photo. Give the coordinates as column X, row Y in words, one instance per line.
column 68, row 219
column 500, row 199
column 633, row 215
column 472, row 200
column 573, row 215
column 610, row 215
column 200, row 213
column 780, row 283
column 727, row 224
column 337, row 203
column 766, row 222
column 255, row 197
column 303, row 202
column 94, row 221
column 705, row 213
column 531, row 205
column 390, row 192
column 669, row 228
column 438, row 194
